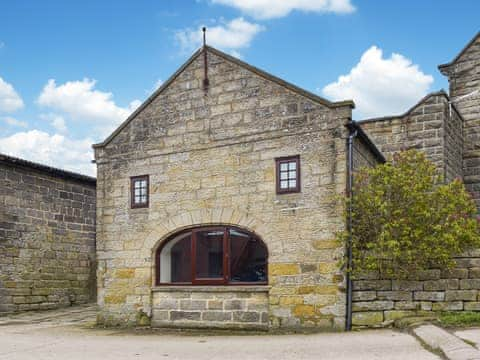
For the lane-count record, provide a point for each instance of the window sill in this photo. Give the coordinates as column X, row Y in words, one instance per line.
column 211, row 288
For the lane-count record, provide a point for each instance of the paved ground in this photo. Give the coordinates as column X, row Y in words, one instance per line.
column 471, row 335
column 68, row 334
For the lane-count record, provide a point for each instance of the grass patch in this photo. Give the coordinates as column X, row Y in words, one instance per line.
column 459, row 318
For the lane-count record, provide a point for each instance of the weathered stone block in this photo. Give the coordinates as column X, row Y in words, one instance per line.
column 395, row 295
column 372, row 305
column 447, row 306
column 372, row 285
column 185, row 315
column 364, row 295
column 429, row 295
column 369, row 318
column 246, row 316
column 466, row 295
column 471, row 306
column 407, row 285
column 470, row 284
column 216, row 316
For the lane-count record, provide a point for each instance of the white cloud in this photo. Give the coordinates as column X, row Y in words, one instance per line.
column 268, row 9
column 56, row 121
column 54, row 150
column 81, row 101
column 14, row 122
column 9, row 98
column 381, row 86
column 233, row 35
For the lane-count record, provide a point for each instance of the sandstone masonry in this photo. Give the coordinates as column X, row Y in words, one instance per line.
column 210, row 156
column 47, row 237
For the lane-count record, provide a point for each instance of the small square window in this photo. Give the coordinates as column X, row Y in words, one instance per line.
column 288, row 174
column 139, row 191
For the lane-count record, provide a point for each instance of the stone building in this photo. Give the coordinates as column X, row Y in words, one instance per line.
column 447, row 128
column 218, row 200
column 47, row 237
column 218, row 203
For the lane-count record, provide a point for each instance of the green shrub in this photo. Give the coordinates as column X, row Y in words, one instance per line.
column 405, row 219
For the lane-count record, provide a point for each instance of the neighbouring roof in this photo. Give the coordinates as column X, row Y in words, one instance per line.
column 443, row 67
column 238, row 62
column 406, row 113
column 362, row 135
column 64, row 174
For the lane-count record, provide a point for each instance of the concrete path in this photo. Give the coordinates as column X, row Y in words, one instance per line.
column 471, row 335
column 452, row 346
column 70, row 336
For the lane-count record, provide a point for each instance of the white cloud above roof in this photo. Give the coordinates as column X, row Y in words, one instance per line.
column 269, row 9
column 54, row 150
column 229, row 36
column 10, row 101
column 80, row 100
column 381, row 86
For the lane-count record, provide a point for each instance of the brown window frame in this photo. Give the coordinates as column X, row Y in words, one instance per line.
column 288, row 159
column 133, row 179
column 226, row 279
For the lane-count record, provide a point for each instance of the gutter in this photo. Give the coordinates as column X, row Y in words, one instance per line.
column 351, row 136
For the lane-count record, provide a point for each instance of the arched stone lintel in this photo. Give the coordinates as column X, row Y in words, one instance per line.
column 216, row 216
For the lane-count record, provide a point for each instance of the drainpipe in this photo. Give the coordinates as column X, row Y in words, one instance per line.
column 351, row 136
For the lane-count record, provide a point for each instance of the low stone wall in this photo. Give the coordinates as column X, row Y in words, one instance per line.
column 210, row 307
column 379, row 302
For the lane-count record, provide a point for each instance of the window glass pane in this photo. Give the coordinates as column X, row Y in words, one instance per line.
column 248, row 258
column 137, row 199
column 137, row 192
column 292, row 183
column 284, row 175
column 143, row 183
column 284, row 184
column 292, row 165
column 175, row 260
column 292, row 174
column 283, row 166
column 209, row 254
column 136, row 184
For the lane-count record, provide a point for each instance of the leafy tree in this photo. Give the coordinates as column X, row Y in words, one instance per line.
column 405, row 219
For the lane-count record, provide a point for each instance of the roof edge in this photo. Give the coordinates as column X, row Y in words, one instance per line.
column 443, row 67
column 355, row 126
column 239, row 62
column 53, row 171
column 441, row 92
column 282, row 82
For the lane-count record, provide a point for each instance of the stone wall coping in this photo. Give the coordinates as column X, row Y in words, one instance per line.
column 215, row 288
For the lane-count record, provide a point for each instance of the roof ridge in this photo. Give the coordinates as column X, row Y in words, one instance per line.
column 12, row 160
column 465, row 48
column 406, row 113
column 239, row 62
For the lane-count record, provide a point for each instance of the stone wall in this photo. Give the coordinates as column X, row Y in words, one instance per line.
column 211, row 160
column 379, row 302
column 47, row 237
column 431, row 126
column 218, row 307
column 464, row 80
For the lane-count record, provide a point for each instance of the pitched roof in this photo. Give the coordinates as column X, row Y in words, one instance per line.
column 406, row 113
column 238, row 62
column 69, row 175
column 443, row 67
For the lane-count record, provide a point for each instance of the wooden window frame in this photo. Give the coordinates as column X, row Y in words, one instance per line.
column 225, row 280
column 133, row 179
column 288, row 159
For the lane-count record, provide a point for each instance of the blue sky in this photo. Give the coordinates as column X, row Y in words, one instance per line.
column 70, row 71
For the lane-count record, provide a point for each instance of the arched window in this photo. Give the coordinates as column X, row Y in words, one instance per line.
column 212, row 256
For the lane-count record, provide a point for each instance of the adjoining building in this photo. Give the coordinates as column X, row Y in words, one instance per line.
column 47, row 237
